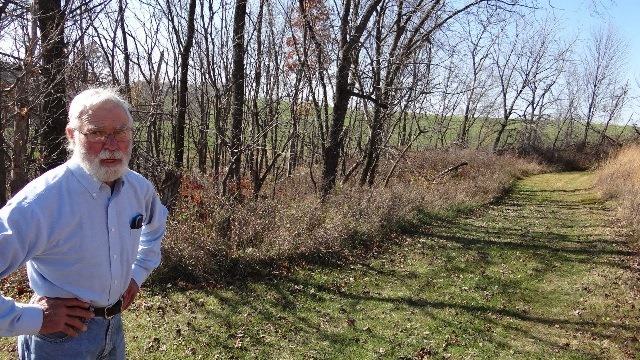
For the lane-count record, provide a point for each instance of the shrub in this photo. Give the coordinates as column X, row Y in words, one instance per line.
column 210, row 239
column 618, row 179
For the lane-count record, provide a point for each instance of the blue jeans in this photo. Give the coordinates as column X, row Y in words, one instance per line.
column 103, row 340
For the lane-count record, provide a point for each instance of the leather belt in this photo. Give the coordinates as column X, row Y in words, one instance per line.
column 109, row 311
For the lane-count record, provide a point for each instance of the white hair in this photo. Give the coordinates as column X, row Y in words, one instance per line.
column 84, row 102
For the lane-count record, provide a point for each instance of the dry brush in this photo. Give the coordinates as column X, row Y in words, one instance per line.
column 211, row 239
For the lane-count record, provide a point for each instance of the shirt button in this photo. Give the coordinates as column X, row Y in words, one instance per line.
column 115, row 256
column 113, row 229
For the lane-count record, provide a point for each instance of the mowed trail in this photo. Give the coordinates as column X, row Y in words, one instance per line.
column 557, row 270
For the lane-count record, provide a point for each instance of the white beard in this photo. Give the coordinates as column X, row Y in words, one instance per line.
column 102, row 173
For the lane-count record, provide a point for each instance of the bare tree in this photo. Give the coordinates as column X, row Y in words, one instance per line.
column 237, row 100
column 612, row 109
column 447, row 96
column 14, row 95
column 19, row 173
column 349, row 51
column 185, row 52
column 567, row 110
column 602, row 62
column 126, row 58
column 546, row 59
column 478, row 98
column 411, row 31
column 512, row 76
column 389, row 69
column 206, row 101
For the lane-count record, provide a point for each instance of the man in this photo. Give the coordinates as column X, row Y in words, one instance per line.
column 89, row 232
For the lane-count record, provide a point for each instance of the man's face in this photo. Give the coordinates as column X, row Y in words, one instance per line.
column 105, row 161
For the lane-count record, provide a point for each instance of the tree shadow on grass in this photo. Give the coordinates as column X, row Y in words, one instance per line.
column 295, row 293
column 488, row 313
column 563, row 229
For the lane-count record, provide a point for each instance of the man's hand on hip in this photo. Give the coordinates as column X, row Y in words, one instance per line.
column 63, row 315
column 130, row 294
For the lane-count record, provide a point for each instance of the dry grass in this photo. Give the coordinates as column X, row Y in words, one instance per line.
column 211, row 239
column 618, row 179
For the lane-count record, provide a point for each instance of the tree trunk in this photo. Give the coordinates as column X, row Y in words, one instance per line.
column 237, row 100
column 19, row 177
column 203, row 131
column 54, row 61
column 183, row 87
column 256, row 127
column 126, row 58
column 3, row 163
column 372, row 148
column 349, row 53
column 334, row 139
column 496, row 142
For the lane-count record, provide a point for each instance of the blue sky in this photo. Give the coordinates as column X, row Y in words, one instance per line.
column 582, row 15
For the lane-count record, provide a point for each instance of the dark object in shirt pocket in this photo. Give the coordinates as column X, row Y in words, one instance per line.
column 136, row 222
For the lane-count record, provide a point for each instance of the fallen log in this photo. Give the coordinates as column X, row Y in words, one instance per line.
column 449, row 170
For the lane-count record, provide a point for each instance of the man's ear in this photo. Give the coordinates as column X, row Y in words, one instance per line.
column 70, row 135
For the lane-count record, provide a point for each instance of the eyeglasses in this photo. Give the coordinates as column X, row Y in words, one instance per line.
column 121, row 135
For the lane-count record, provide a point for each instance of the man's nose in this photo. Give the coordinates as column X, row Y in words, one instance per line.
column 111, row 142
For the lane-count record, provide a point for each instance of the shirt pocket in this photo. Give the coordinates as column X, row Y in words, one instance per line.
column 134, row 237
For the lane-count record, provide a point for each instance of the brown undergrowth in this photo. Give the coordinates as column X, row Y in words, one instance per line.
column 618, row 179
column 212, row 240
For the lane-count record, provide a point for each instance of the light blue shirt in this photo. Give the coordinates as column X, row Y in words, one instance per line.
column 77, row 240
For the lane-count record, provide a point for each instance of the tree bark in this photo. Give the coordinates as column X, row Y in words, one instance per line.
column 54, row 61
column 256, row 127
column 183, row 86
column 237, row 96
column 126, row 58
column 349, row 53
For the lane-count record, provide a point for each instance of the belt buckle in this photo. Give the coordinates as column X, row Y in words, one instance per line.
column 117, row 306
